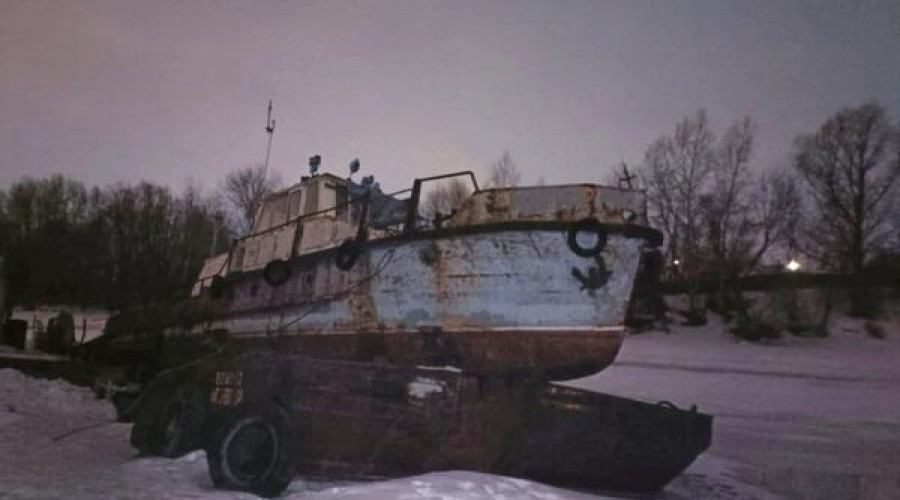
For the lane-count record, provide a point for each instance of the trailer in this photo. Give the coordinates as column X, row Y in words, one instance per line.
column 263, row 416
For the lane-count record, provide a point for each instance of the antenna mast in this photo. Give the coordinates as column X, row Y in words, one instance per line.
column 270, row 130
column 625, row 181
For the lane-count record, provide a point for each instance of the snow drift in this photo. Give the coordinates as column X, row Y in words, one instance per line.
column 22, row 394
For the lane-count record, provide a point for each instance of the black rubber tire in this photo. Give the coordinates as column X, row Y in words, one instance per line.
column 218, row 288
column 122, row 401
column 179, row 428
column 277, row 273
column 255, row 450
column 347, row 254
column 141, row 433
column 588, row 224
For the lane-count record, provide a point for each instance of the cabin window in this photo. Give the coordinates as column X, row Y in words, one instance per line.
column 312, row 198
column 341, row 197
column 263, row 217
column 296, row 204
column 280, row 212
column 237, row 263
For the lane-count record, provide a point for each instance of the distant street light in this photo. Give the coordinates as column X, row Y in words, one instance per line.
column 792, row 266
column 676, row 262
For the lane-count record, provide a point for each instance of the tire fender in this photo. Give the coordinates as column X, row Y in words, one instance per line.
column 179, row 427
column 276, row 273
column 588, row 224
column 347, row 254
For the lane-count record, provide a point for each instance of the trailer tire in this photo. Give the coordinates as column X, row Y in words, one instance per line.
column 588, row 224
column 253, row 450
column 141, row 436
column 122, row 401
column 178, row 429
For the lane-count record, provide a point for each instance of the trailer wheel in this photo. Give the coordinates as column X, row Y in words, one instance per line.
column 254, row 450
column 141, row 436
column 178, row 430
column 122, row 401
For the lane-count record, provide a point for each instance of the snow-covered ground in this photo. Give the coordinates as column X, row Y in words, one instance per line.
column 804, row 418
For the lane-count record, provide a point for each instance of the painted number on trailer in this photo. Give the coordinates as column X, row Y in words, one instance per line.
column 229, row 389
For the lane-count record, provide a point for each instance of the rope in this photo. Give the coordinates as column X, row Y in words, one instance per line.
column 379, row 268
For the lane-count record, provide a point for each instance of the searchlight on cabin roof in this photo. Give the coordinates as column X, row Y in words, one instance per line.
column 314, row 162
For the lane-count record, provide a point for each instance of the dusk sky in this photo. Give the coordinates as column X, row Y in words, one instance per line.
column 168, row 91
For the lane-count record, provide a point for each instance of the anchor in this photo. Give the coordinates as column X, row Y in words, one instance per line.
column 596, row 276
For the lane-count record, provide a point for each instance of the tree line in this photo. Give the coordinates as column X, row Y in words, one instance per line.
column 67, row 243
column 835, row 204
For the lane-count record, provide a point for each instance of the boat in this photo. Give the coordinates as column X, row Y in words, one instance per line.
column 519, row 279
column 366, row 338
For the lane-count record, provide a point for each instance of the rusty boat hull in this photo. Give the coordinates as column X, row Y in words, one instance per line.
column 510, row 297
column 531, row 280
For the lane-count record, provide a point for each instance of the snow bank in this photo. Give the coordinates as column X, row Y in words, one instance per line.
column 187, row 477
column 805, row 418
column 451, row 485
column 30, row 396
column 848, row 352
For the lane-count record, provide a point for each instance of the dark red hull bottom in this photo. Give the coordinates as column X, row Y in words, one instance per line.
column 550, row 354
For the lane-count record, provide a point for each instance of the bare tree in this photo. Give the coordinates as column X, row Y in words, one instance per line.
column 894, row 208
column 504, row 172
column 772, row 217
column 746, row 214
column 675, row 172
column 245, row 189
column 850, row 167
column 719, row 217
column 715, row 212
column 727, row 204
column 445, row 197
